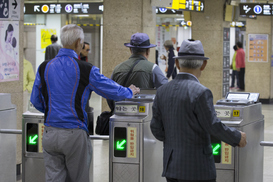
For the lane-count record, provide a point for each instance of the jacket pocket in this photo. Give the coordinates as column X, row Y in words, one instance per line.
column 207, row 150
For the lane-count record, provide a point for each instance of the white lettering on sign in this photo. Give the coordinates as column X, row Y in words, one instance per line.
column 246, row 8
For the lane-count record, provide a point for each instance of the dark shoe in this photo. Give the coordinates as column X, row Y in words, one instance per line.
column 241, row 90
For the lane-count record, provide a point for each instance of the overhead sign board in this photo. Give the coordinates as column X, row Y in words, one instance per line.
column 10, row 10
column 188, row 5
column 64, row 8
column 256, row 9
column 167, row 11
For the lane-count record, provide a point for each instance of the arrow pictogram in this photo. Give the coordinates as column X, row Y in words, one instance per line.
column 14, row 4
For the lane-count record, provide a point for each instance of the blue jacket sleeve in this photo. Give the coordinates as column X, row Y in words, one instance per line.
column 37, row 98
column 106, row 87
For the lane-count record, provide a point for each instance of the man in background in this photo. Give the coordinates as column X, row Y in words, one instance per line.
column 84, row 53
column 53, row 49
column 240, row 65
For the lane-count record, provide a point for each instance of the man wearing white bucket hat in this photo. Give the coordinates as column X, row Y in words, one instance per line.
column 184, row 119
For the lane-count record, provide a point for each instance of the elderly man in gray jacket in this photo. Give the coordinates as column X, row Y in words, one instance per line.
column 184, row 118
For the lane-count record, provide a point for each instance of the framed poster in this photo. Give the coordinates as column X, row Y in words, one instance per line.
column 257, row 48
column 9, row 51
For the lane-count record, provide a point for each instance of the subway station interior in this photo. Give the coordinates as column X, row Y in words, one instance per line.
column 107, row 25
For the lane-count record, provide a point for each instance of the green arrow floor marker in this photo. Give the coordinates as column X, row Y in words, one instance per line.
column 120, row 146
column 32, row 140
column 216, row 149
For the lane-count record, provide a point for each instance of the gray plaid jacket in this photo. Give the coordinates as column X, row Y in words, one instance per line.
column 184, row 118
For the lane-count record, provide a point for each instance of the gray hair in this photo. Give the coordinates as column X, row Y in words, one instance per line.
column 70, row 33
column 189, row 63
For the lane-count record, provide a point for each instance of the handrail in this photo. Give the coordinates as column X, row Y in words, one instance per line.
column 99, row 137
column 266, row 143
column 10, row 131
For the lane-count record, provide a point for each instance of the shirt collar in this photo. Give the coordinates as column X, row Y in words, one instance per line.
column 67, row 52
column 184, row 73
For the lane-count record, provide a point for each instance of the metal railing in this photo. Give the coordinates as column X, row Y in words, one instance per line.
column 10, row 131
column 266, row 144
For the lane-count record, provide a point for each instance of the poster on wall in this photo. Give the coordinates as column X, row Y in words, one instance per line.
column 10, row 9
column 257, row 48
column 226, row 58
column 9, row 51
column 45, row 37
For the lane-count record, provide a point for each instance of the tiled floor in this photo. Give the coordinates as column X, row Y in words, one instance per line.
column 101, row 147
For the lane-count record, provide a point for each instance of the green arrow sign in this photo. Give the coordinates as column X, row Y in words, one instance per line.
column 120, row 145
column 216, row 149
column 32, row 140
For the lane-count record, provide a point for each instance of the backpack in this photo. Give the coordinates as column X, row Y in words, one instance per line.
column 102, row 127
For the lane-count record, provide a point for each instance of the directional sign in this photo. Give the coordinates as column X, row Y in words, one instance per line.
column 32, row 137
column 120, row 145
column 188, row 5
column 10, row 10
column 33, row 140
column 120, row 141
column 216, row 148
column 256, row 9
column 64, row 8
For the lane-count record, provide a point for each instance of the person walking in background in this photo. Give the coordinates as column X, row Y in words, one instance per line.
column 28, row 81
column 84, row 53
column 234, row 70
column 170, row 68
column 184, row 119
column 61, row 89
column 53, row 49
column 240, row 65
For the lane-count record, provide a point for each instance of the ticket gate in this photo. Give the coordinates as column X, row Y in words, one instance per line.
column 243, row 112
column 7, row 141
column 135, row 155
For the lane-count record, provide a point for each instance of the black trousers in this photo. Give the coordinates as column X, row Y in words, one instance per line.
column 178, row 180
column 241, row 75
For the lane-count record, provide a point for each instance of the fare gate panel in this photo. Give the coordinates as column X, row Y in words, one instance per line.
column 243, row 112
column 135, row 155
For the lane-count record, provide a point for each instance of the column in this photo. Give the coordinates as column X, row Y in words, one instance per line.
column 208, row 28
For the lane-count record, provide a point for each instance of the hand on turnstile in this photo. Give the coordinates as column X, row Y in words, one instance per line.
column 243, row 141
column 134, row 89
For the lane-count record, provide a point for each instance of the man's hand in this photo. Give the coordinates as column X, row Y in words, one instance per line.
column 243, row 140
column 134, row 89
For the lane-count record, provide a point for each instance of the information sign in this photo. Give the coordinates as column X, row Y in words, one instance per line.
column 10, row 9
column 64, row 8
column 256, row 9
column 226, row 153
column 258, row 47
column 188, row 5
column 126, row 109
column 132, row 136
column 223, row 113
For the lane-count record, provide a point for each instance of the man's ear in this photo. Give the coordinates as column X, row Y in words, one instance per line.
column 147, row 52
column 204, row 65
column 177, row 63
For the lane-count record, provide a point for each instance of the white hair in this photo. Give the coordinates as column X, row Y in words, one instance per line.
column 70, row 33
column 190, row 63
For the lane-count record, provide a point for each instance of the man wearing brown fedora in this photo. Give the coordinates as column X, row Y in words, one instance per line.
column 184, row 119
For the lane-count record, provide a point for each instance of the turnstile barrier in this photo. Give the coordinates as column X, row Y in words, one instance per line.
column 243, row 112
column 135, row 155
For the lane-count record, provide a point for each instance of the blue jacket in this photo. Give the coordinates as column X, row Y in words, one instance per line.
column 62, row 87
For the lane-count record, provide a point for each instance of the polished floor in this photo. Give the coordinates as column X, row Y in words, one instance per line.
column 101, row 147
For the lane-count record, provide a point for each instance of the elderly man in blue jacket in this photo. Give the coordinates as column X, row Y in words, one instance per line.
column 61, row 91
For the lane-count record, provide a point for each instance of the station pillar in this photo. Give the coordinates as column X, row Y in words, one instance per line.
column 208, row 28
column 121, row 19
